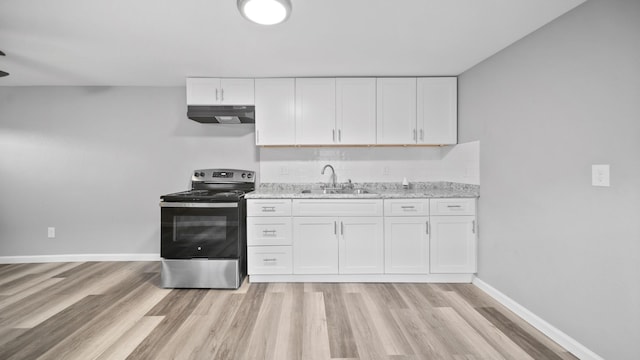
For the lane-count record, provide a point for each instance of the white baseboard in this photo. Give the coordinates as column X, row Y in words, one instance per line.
column 78, row 258
column 567, row 342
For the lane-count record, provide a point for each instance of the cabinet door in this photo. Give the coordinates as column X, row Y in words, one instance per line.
column 453, row 244
column 396, row 110
column 315, row 245
column 406, row 245
column 438, row 110
column 361, row 245
column 237, row 92
column 275, row 111
column 356, row 111
column 316, row 111
column 203, row 91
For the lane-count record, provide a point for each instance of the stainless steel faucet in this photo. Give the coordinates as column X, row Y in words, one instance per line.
column 333, row 174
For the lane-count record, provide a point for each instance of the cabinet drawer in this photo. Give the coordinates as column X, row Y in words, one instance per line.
column 268, row 207
column 343, row 207
column 453, row 207
column 406, row 207
column 262, row 230
column 269, row 260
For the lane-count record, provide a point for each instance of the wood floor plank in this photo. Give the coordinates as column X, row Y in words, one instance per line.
column 232, row 346
column 289, row 341
column 213, row 328
column 125, row 307
column 528, row 343
column 369, row 342
column 315, row 338
column 486, row 329
column 422, row 338
column 341, row 341
column 175, row 308
column 391, row 335
column 261, row 344
column 35, row 342
column 130, row 339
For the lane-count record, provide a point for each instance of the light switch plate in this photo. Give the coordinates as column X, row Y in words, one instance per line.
column 51, row 232
column 600, row 175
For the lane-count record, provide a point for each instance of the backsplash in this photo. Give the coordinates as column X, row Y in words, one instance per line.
column 459, row 163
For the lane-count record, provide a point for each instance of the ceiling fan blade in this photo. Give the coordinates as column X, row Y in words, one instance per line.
column 3, row 74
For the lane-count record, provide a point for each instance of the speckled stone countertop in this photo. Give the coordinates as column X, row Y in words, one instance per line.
column 376, row 191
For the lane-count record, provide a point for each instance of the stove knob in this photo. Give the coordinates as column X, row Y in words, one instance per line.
column 249, row 176
column 196, row 174
column 244, row 175
column 201, row 174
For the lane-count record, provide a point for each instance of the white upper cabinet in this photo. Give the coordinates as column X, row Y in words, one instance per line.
column 275, row 112
column 355, row 111
column 437, row 111
column 396, row 110
column 315, row 111
column 217, row 91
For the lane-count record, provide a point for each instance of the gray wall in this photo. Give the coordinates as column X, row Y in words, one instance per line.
column 545, row 109
column 93, row 162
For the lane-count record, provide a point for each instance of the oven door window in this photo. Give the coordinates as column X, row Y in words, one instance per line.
column 199, row 233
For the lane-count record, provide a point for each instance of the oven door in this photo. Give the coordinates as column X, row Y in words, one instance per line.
column 200, row 230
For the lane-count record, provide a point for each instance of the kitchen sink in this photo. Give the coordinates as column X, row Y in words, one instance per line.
column 358, row 191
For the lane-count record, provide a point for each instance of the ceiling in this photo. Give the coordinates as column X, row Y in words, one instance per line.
column 160, row 42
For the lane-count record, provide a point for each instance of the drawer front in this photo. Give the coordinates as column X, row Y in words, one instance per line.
column 263, row 230
column 268, row 207
column 453, row 207
column 343, row 207
column 406, row 207
column 269, row 260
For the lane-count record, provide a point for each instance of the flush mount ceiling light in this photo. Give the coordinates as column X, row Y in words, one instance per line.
column 265, row 12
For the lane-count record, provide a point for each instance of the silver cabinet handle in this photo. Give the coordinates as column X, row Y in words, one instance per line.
column 414, row 135
column 341, row 228
column 473, row 226
column 339, row 135
column 407, row 207
column 222, row 95
column 453, row 206
column 268, row 209
column 335, row 228
column 421, row 135
column 270, row 260
column 427, row 227
column 257, row 136
column 269, row 232
column 333, row 135
column 216, row 94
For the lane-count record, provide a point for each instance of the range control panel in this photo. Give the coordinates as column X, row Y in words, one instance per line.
column 223, row 175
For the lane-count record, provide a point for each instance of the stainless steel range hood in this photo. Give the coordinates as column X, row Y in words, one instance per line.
column 222, row 114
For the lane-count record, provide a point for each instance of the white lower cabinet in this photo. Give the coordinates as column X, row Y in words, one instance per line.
column 453, row 244
column 269, row 250
column 416, row 240
column 406, row 245
column 361, row 245
column 315, row 245
column 269, row 260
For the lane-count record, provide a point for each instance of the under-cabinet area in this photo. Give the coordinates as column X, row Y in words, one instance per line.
column 362, row 239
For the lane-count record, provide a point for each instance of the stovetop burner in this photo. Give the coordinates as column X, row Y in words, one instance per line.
column 215, row 185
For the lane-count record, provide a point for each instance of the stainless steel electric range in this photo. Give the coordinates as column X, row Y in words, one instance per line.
column 203, row 231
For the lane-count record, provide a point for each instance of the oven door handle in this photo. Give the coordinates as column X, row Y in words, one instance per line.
column 197, row 205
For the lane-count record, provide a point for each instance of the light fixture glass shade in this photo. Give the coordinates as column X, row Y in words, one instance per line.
column 265, row 12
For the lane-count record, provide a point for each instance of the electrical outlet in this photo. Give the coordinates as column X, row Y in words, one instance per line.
column 51, row 232
column 284, row 170
column 600, row 175
column 385, row 170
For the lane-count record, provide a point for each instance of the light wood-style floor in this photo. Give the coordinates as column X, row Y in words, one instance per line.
column 116, row 310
